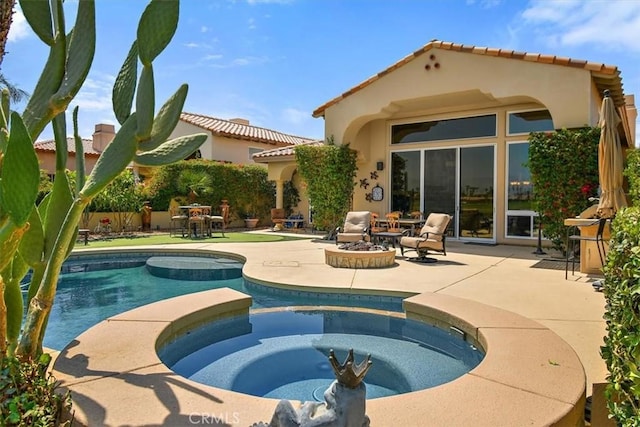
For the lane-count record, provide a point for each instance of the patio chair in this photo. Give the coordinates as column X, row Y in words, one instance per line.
column 178, row 221
column 356, row 227
column 374, row 226
column 196, row 221
column 218, row 222
column 432, row 237
column 393, row 222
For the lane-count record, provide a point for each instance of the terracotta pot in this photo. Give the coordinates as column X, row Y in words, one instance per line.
column 251, row 222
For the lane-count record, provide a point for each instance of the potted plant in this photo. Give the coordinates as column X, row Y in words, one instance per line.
column 250, row 217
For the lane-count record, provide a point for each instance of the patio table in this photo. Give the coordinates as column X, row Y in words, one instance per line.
column 389, row 236
column 187, row 209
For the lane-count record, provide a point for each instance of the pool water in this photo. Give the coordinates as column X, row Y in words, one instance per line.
column 283, row 354
column 92, row 289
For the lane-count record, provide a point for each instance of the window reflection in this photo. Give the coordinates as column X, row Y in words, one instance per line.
column 530, row 121
column 465, row 127
column 405, row 181
column 520, row 210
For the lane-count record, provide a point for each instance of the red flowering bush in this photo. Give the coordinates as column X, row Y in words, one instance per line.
column 564, row 172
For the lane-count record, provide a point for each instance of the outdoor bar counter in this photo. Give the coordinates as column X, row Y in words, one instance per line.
column 589, row 258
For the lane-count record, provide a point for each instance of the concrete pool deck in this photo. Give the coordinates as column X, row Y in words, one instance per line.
column 500, row 276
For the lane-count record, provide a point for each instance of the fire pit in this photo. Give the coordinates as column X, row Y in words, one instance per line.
column 359, row 255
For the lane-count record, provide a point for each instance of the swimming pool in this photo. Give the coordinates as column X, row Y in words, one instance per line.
column 283, row 354
column 93, row 288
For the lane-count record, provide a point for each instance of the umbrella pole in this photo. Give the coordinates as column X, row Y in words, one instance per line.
column 539, row 250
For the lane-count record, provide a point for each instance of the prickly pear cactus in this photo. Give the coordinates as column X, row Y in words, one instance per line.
column 41, row 237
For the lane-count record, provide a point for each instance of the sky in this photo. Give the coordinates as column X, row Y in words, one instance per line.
column 275, row 61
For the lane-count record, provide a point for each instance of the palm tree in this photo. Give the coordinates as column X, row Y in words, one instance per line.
column 16, row 94
column 6, row 17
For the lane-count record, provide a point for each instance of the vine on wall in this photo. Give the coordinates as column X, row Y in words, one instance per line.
column 329, row 172
column 564, row 172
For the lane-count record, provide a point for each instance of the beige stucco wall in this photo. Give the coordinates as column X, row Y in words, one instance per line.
column 219, row 147
column 462, row 82
column 463, row 85
column 48, row 162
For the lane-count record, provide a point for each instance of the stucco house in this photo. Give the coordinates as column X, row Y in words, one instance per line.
column 445, row 130
column 234, row 140
column 92, row 148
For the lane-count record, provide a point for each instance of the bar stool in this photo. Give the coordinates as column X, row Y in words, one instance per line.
column 577, row 238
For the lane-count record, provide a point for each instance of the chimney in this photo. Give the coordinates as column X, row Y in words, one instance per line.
column 240, row 121
column 102, row 136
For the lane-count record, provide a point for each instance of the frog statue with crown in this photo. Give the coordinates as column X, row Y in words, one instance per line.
column 344, row 404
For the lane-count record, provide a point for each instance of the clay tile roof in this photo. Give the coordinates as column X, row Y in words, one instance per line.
column 49, row 145
column 232, row 129
column 605, row 76
column 282, row 151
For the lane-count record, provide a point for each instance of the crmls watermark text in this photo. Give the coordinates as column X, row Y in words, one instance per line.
column 206, row 418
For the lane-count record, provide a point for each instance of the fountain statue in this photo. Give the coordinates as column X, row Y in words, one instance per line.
column 344, row 404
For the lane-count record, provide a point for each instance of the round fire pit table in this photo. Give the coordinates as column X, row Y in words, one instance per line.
column 341, row 258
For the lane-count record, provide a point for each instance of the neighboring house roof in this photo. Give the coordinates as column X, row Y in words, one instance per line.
column 232, row 129
column 49, row 145
column 604, row 76
column 282, row 152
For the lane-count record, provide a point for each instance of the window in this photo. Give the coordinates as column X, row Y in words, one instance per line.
column 253, row 151
column 529, row 121
column 520, row 214
column 405, row 181
column 464, row 127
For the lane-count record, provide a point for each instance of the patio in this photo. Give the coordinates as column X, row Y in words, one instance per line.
column 501, row 276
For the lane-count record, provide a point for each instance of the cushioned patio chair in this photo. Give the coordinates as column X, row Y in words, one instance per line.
column 356, row 227
column 218, row 222
column 432, row 237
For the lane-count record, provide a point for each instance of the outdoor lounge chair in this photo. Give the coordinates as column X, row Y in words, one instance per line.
column 432, row 237
column 356, row 227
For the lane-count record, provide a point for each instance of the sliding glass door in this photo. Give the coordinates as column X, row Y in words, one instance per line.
column 476, row 193
column 458, row 181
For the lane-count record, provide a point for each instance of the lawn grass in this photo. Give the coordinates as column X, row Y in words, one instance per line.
column 164, row 239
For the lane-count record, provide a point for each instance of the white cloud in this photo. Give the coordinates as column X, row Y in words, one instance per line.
column 242, row 62
column 485, row 4
column 191, row 45
column 95, row 94
column 19, row 27
column 254, row 2
column 252, row 24
column 614, row 23
column 204, row 29
column 295, row 116
column 212, row 57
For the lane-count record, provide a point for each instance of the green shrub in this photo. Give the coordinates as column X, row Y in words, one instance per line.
column 564, row 172
column 632, row 172
column 28, row 394
column 246, row 187
column 329, row 171
column 621, row 350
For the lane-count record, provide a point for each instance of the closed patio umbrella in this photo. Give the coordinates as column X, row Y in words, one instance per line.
column 610, row 161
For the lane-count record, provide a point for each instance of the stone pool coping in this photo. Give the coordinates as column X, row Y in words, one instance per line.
column 529, row 376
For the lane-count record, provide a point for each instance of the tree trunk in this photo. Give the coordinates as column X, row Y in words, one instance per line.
column 6, row 17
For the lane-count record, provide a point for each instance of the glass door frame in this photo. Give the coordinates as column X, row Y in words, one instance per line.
column 455, row 226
